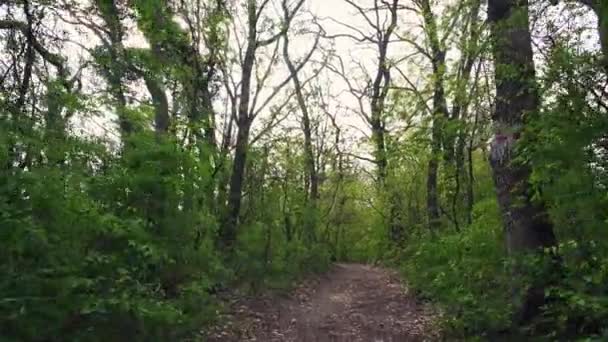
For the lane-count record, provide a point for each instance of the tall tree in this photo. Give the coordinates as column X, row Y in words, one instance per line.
column 312, row 187
column 115, row 69
column 247, row 111
column 379, row 82
column 381, row 21
column 440, row 112
column 448, row 135
column 526, row 222
column 310, row 157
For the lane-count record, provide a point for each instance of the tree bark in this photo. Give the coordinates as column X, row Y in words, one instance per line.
column 246, row 115
column 440, row 112
column 526, row 223
column 600, row 7
column 432, row 198
column 160, row 103
column 470, row 184
column 312, row 177
column 602, row 14
column 470, row 41
column 179, row 49
column 311, row 169
column 30, row 56
column 471, row 175
column 229, row 229
column 380, row 88
column 114, row 72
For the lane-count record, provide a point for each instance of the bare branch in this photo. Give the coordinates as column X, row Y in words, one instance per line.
column 55, row 59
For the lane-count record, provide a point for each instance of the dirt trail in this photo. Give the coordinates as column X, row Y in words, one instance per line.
column 350, row 303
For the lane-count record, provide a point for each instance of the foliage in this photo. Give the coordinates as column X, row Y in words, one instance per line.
column 117, row 235
column 466, row 273
column 569, row 172
column 81, row 248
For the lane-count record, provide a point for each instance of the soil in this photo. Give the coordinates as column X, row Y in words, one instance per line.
column 350, row 303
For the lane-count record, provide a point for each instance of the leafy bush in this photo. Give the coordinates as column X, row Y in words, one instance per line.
column 82, row 252
column 465, row 274
column 579, row 306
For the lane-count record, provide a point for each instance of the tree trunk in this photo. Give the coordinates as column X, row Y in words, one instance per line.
column 600, row 7
column 160, row 103
column 470, row 184
column 440, row 113
column 229, row 231
column 380, row 90
column 471, row 175
column 311, row 170
column 439, row 116
column 230, row 226
column 462, row 100
column 527, row 225
column 377, row 122
column 312, row 178
column 432, row 200
column 30, row 56
column 221, row 169
column 114, row 72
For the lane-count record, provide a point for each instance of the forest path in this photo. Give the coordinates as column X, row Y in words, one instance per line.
column 350, row 303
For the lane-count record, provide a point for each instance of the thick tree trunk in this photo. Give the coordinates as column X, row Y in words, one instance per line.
column 527, row 225
column 380, row 88
column 160, row 103
column 229, row 230
column 245, row 115
column 600, row 7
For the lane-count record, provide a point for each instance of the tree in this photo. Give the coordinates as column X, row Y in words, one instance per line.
column 116, row 67
column 381, row 18
column 312, row 172
column 526, row 222
column 440, row 113
column 455, row 84
column 247, row 111
column 379, row 83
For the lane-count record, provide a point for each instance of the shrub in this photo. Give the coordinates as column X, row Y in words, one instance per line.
column 465, row 274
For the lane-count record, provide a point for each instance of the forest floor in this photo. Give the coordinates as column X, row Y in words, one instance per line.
column 350, row 303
